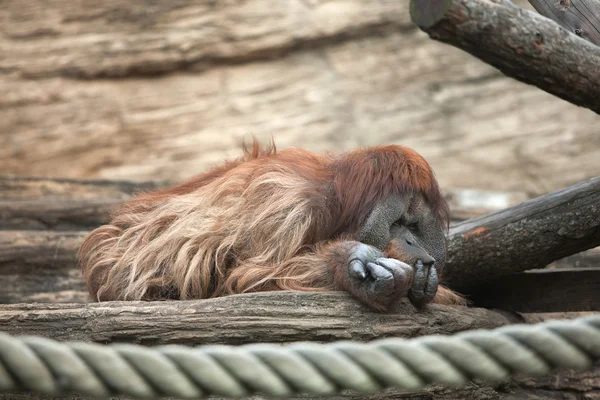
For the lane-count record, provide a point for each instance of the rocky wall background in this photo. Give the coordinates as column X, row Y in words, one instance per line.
column 162, row 90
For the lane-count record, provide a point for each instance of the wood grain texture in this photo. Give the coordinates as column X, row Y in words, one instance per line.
column 62, row 204
column 31, row 285
column 149, row 91
column 41, row 249
column 41, row 266
column 284, row 317
column 278, row 317
column 14, row 188
column 520, row 43
column 56, row 215
column 526, row 236
column 582, row 17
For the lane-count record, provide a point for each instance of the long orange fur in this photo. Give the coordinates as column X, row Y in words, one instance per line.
column 267, row 221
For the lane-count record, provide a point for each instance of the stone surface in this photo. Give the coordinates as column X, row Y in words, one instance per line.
column 163, row 90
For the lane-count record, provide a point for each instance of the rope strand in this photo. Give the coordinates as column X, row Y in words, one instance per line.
column 46, row 366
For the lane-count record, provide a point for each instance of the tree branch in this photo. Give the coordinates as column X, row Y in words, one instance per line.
column 520, row 43
column 530, row 235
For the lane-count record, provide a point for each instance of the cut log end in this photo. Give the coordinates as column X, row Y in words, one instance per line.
column 520, row 43
column 581, row 17
column 427, row 13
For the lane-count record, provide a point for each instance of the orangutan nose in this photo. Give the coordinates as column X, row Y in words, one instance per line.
column 419, row 253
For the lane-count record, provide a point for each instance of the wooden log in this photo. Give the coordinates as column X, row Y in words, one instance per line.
column 62, row 204
column 582, row 17
column 49, row 250
column 57, row 215
column 563, row 384
column 526, row 236
column 43, row 286
column 470, row 391
column 16, row 188
column 141, row 40
column 41, row 266
column 280, row 317
column 551, row 290
column 259, row 317
column 520, row 43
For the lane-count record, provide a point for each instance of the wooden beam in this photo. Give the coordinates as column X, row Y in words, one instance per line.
column 279, row 317
column 32, row 188
column 62, row 204
column 582, row 17
column 527, row 236
column 40, row 266
column 51, row 250
column 542, row 291
column 520, row 43
column 56, row 214
column 31, row 285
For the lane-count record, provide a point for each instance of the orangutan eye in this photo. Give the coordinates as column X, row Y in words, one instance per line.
column 399, row 222
column 412, row 226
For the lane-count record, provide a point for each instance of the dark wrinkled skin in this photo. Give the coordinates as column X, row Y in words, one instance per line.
column 416, row 235
column 375, row 279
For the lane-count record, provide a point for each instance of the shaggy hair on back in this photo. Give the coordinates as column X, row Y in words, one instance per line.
column 261, row 222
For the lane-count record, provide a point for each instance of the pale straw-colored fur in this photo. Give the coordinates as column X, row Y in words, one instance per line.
column 190, row 242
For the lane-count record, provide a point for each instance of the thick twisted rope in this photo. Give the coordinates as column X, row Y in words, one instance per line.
column 47, row 366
